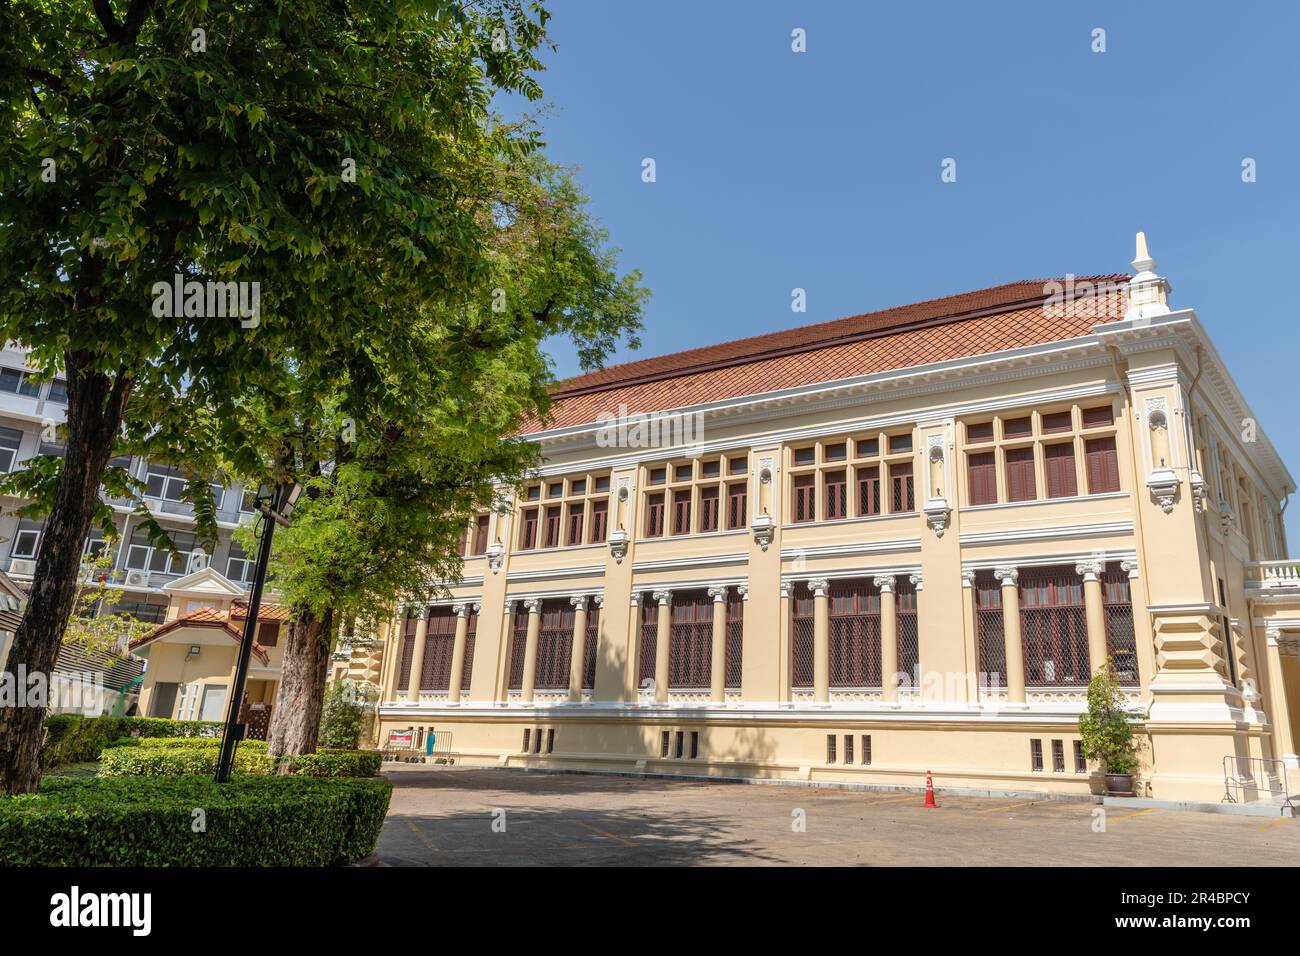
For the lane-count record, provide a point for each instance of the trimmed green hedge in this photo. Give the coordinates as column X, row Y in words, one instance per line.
column 72, row 738
column 158, row 758
column 191, row 821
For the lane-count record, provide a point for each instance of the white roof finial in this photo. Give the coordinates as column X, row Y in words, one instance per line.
column 1143, row 262
column 1148, row 293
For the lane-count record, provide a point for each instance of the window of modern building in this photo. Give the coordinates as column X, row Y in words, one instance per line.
column 10, row 440
column 27, row 539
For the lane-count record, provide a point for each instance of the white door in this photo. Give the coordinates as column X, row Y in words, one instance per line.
column 214, row 702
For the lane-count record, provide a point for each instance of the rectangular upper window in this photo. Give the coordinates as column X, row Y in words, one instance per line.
column 1017, row 427
column 1098, row 416
column 804, row 506
column 1057, row 422
column 805, row 456
column 1058, row 470
column 899, row 444
column 1020, row 475
column 979, row 432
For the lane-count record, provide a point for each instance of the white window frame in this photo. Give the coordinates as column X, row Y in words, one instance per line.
column 18, row 536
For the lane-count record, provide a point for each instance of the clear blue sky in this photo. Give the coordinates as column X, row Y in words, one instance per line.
column 821, row 169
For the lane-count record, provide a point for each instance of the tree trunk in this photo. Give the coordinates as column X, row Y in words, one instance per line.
column 96, row 404
column 295, row 719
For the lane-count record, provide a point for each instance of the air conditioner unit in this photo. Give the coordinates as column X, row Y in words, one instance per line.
column 25, row 566
column 137, row 579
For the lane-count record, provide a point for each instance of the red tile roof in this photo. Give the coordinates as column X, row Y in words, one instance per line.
column 957, row 326
column 266, row 612
column 202, row 617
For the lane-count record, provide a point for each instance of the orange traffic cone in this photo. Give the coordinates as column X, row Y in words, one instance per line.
column 929, row 792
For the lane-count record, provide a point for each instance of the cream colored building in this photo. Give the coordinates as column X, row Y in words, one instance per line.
column 890, row 544
column 192, row 656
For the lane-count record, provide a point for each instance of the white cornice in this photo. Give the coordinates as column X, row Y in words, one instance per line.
column 547, row 574
column 1100, row 529
column 853, row 549
column 695, row 561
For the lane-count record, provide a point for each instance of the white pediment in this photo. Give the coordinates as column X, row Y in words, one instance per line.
column 206, row 582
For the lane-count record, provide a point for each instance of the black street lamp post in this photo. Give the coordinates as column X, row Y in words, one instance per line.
column 273, row 505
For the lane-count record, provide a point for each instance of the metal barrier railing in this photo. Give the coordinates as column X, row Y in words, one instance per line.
column 1256, row 779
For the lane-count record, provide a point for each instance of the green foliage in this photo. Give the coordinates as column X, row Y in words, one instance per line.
column 179, row 761
column 1106, row 727
column 187, row 756
column 342, row 715
column 96, row 624
column 142, row 821
column 72, row 738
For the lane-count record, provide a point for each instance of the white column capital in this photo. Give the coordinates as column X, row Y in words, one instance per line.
column 533, row 605
column 598, row 600
column 663, row 597
column 1273, row 636
column 477, row 606
column 916, row 581
column 743, row 591
column 460, row 610
column 884, row 583
column 967, row 578
column 579, row 601
column 1007, row 576
column 819, row 586
column 510, row 606
column 1089, row 570
column 1129, row 567
column 718, row 593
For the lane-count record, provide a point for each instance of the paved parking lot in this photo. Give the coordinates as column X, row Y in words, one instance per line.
column 463, row 817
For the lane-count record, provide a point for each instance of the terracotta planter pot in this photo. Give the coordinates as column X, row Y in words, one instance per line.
column 1119, row 784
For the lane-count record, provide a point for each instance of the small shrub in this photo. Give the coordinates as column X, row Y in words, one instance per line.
column 179, row 760
column 141, row 821
column 337, row 763
column 1106, row 727
column 72, row 738
column 343, row 714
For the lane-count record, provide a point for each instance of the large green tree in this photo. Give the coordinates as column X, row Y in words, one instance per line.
column 330, row 152
column 388, row 496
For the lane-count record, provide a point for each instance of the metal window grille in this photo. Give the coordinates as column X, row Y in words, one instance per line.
column 801, row 637
column 654, row 517
column 663, row 744
column 528, row 738
column 868, row 490
column 909, row 635
column 854, row 614
column 848, row 748
column 804, row 489
column 589, row 651
column 467, row 667
column 555, row 645
column 989, row 630
column 836, row 487
column 1080, row 761
column 866, row 748
column 736, row 495
column 830, row 748
column 1121, row 640
column 550, row 740
column 1036, row 754
column 1058, row 756
column 709, row 508
column 735, row 639
column 575, row 524
column 902, row 491
column 695, row 744
column 537, row 740
column 599, row 521
column 691, row 639
column 439, row 643
column 518, row 642
column 1225, row 632
column 678, row 743
column 682, row 512
column 1054, row 627
column 649, row 638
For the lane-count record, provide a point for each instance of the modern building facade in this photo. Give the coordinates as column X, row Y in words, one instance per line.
column 890, row 544
column 30, row 415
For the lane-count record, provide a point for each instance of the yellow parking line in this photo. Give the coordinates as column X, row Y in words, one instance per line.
column 1130, row 816
column 1276, row 823
column 604, row 833
column 876, row 803
column 1009, row 806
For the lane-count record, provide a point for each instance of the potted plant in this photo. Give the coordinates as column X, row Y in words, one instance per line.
column 1106, row 729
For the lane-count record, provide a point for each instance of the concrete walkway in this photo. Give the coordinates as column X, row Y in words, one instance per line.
column 464, row 817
